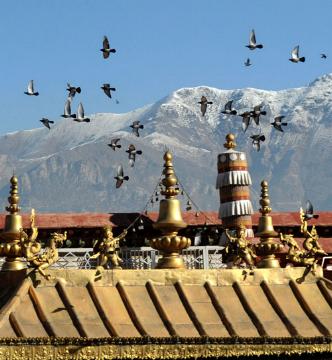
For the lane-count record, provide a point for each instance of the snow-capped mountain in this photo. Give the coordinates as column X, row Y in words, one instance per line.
column 71, row 168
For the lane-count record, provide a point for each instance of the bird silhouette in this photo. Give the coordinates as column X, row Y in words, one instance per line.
column 120, row 177
column 136, row 126
column 107, row 90
column 72, row 90
column 31, row 91
column 247, row 62
column 309, row 211
column 295, row 55
column 256, row 141
column 228, row 109
column 106, row 48
column 132, row 152
column 114, row 144
column 204, row 103
column 277, row 124
column 256, row 113
column 46, row 122
column 117, row 101
column 80, row 114
column 246, row 118
column 67, row 111
column 323, row 56
column 252, row 42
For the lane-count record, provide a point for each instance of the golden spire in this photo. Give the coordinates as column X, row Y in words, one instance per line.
column 169, row 181
column 230, row 142
column 14, row 198
column 267, row 246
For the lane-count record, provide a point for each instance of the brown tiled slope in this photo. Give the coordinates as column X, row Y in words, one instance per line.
column 189, row 303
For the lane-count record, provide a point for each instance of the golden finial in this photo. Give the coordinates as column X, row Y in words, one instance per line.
column 265, row 199
column 14, row 198
column 169, row 181
column 230, row 141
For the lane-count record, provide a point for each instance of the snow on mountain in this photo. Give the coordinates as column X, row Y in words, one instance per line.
column 71, row 168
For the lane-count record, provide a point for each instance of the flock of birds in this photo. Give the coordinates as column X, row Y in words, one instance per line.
column 256, row 112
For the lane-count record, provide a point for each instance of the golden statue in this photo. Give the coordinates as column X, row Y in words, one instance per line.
column 238, row 248
column 106, row 249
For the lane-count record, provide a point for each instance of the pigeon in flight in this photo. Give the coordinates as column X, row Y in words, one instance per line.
column 252, row 42
column 277, row 123
column 67, row 111
column 106, row 48
column 136, row 126
column 247, row 62
column 80, row 114
column 256, row 140
column 73, row 90
column 46, row 122
column 309, row 212
column 117, row 101
column 132, row 154
column 246, row 117
column 114, row 144
column 107, row 90
column 204, row 103
column 31, row 90
column 256, row 113
column 228, row 109
column 323, row 56
column 295, row 55
column 119, row 177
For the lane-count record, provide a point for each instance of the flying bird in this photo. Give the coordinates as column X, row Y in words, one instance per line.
column 31, row 90
column 252, row 42
column 246, row 117
column 119, row 177
column 247, row 62
column 204, row 103
column 256, row 141
column 136, row 126
column 323, row 56
column 309, row 212
column 106, row 48
column 228, row 109
column 80, row 114
column 117, row 101
column 114, row 144
column 277, row 123
column 107, row 90
column 46, row 122
column 67, row 111
column 295, row 55
column 73, row 90
column 132, row 154
column 256, row 113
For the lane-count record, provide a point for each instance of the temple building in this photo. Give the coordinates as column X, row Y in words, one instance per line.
column 133, row 286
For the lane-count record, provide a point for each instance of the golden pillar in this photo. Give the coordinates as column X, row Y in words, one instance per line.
column 267, row 246
column 170, row 222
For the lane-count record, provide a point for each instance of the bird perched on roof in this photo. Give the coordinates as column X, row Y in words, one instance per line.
column 80, row 114
column 247, row 62
column 295, row 55
column 114, row 144
column 277, row 124
column 106, row 48
column 120, row 177
column 256, row 113
column 132, row 154
column 136, row 126
column 46, row 122
column 73, row 90
column 204, row 103
column 107, row 90
column 323, row 56
column 252, row 42
column 228, row 109
column 246, row 117
column 67, row 111
column 256, row 141
column 31, row 90
column 309, row 212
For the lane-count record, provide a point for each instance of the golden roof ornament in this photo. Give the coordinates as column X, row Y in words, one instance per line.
column 170, row 222
column 267, row 246
column 230, row 142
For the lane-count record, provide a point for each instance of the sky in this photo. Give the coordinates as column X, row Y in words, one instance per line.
column 161, row 46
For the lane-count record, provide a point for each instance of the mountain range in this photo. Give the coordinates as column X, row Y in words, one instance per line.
column 70, row 168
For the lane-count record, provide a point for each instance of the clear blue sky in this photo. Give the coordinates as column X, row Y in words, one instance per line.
column 161, row 46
